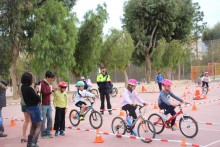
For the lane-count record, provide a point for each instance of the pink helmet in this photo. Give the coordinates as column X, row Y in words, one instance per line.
column 62, row 84
column 206, row 72
column 132, row 82
column 167, row 82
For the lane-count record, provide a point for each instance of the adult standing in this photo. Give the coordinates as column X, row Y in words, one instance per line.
column 26, row 118
column 3, row 87
column 159, row 80
column 46, row 104
column 103, row 81
column 32, row 101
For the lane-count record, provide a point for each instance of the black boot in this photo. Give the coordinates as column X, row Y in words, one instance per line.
column 29, row 140
column 34, row 142
column 2, row 134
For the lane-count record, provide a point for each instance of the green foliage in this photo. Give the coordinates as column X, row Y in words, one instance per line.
column 117, row 50
column 54, row 38
column 211, row 33
column 89, row 43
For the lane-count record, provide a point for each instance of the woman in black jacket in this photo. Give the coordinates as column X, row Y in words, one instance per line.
column 3, row 87
column 32, row 100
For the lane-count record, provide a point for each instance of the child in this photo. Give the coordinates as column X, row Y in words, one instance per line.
column 60, row 104
column 79, row 99
column 130, row 95
column 205, row 80
column 163, row 102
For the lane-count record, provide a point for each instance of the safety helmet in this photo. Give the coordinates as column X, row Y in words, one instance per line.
column 82, row 78
column 49, row 74
column 132, row 82
column 63, row 84
column 206, row 72
column 80, row 83
column 166, row 82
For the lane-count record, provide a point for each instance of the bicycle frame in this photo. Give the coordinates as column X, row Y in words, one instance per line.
column 139, row 117
column 89, row 107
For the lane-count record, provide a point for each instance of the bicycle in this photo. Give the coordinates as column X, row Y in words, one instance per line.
column 186, row 122
column 205, row 89
column 143, row 127
column 95, row 118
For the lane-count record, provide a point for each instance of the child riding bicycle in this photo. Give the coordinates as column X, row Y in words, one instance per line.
column 80, row 98
column 130, row 95
column 205, row 80
column 163, row 102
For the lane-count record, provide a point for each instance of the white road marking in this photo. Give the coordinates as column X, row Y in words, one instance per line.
column 212, row 143
column 209, row 129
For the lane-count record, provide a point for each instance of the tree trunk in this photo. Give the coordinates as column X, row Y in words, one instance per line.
column 169, row 72
column 148, row 68
column 126, row 77
column 179, row 72
column 13, row 75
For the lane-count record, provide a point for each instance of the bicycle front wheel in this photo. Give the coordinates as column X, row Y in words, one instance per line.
column 95, row 119
column 146, row 131
column 158, row 122
column 188, row 126
column 118, row 126
column 94, row 91
column 114, row 92
column 74, row 117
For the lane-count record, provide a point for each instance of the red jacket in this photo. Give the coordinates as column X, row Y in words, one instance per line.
column 46, row 92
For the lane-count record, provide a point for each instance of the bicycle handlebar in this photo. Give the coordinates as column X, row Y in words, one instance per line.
column 186, row 103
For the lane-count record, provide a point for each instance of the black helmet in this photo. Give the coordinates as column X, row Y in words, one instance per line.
column 49, row 74
column 4, row 82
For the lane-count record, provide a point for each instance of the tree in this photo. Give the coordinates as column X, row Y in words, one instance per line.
column 90, row 37
column 117, row 51
column 54, row 39
column 149, row 20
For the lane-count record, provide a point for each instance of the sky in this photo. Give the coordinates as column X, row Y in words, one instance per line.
column 115, row 11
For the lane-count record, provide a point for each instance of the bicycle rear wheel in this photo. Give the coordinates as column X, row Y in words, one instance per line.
column 95, row 119
column 114, row 92
column 94, row 91
column 158, row 123
column 118, row 126
column 74, row 117
column 188, row 126
column 146, row 130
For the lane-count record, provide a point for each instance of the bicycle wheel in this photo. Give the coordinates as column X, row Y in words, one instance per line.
column 114, row 92
column 74, row 117
column 158, row 123
column 118, row 126
column 188, row 126
column 146, row 130
column 94, row 91
column 95, row 119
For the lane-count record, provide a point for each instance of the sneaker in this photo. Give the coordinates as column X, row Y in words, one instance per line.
column 110, row 112
column 3, row 135
column 174, row 128
column 56, row 133
column 81, row 118
column 62, row 133
column 49, row 135
column 102, row 112
column 164, row 117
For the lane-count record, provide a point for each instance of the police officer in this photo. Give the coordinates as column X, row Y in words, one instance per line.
column 103, row 81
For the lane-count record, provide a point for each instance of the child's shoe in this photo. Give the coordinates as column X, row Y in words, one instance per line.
column 62, row 133
column 81, row 118
column 56, row 134
column 174, row 128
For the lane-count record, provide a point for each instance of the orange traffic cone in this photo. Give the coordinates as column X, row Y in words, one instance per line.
column 194, row 108
column 143, row 89
column 183, row 143
column 197, row 94
column 98, row 138
column 176, row 125
column 155, row 106
column 121, row 113
column 12, row 124
column 204, row 96
column 52, row 130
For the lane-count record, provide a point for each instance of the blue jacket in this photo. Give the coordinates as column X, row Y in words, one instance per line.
column 159, row 79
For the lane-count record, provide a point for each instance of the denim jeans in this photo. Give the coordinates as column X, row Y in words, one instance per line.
column 1, row 124
column 47, row 116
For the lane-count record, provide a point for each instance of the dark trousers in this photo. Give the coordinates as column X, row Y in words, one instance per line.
column 59, row 123
column 131, row 109
column 205, row 83
column 168, row 110
column 160, row 86
column 103, row 94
